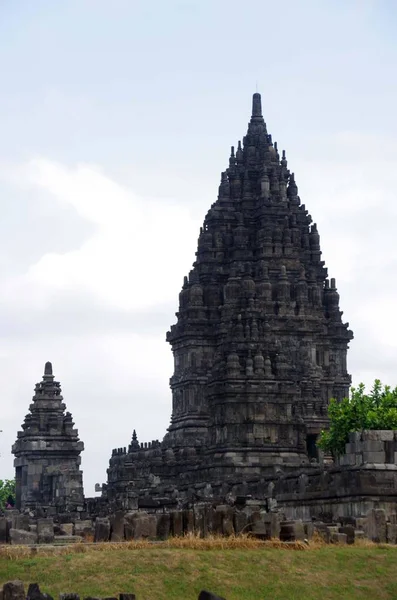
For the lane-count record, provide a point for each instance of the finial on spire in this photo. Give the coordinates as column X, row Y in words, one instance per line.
column 256, row 105
column 48, row 369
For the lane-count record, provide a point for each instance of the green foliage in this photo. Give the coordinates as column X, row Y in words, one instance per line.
column 7, row 492
column 376, row 410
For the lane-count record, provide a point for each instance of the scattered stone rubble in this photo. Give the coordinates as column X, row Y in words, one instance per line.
column 202, row 520
column 15, row 590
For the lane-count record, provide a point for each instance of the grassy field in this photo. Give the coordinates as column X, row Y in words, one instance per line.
column 237, row 573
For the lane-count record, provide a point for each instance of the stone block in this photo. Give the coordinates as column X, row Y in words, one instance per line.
column 240, row 522
column 373, row 446
column 349, row 530
column 146, row 527
column 102, row 529
column 217, row 527
column 66, row 529
column 200, row 521
column 163, row 526
column 20, row 521
column 391, row 533
column 371, row 434
column 117, row 526
column 140, row 525
column 177, row 523
column 359, row 534
column 69, row 597
column 188, row 521
column 308, row 527
column 260, row 531
column 393, row 518
column 22, row 537
column 204, row 595
column 272, row 521
column 291, row 531
column 227, row 525
column 85, row 529
column 129, row 525
column 376, row 525
column 4, row 529
column 386, row 435
column 14, row 590
column 34, row 593
column 45, row 531
column 65, row 540
column 361, row 523
column 338, row 538
column 354, row 437
column 374, row 457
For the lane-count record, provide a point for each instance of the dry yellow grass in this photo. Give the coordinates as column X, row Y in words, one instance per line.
column 189, row 542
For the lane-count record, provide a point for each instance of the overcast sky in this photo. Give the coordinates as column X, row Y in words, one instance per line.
column 116, row 119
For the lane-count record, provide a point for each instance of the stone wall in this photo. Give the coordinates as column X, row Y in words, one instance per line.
column 364, row 478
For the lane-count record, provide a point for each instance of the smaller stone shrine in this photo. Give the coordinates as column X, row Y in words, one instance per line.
column 47, row 452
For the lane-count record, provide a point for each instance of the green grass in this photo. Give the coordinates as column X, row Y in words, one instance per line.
column 328, row 572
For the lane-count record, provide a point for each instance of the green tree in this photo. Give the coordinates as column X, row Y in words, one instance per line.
column 376, row 410
column 7, row 492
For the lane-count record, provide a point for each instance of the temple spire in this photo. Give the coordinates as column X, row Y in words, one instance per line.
column 256, row 105
column 48, row 368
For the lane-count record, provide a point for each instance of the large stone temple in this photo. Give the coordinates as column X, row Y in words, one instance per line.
column 259, row 344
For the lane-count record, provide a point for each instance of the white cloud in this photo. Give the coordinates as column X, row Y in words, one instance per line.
column 137, row 256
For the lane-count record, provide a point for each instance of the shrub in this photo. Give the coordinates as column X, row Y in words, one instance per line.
column 361, row 411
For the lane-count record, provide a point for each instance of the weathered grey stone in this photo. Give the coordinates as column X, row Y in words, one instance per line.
column 34, row 593
column 20, row 521
column 177, row 523
column 308, row 528
column 374, row 457
column 45, row 531
column 391, row 533
column 393, row 518
column 22, row 537
column 4, row 529
column 204, row 595
column 188, row 521
column 14, row 590
column 291, row 531
column 85, row 529
column 140, row 525
column 240, row 522
column 102, row 530
column 65, row 540
column 349, row 530
column 163, row 526
column 117, row 527
column 67, row 529
column 376, row 525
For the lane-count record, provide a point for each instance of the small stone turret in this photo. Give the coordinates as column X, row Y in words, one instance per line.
column 47, row 452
